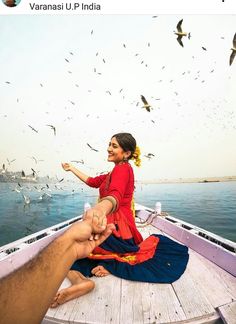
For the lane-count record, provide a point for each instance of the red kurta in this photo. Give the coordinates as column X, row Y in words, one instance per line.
column 119, row 183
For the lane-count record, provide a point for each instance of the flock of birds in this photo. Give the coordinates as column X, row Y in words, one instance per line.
column 180, row 33
column 145, row 104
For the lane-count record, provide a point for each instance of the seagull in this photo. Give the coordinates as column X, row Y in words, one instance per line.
column 3, row 168
column 149, row 155
column 35, row 160
column 33, row 129
column 233, row 50
column 26, row 199
column 76, row 161
column 9, row 162
column 34, row 172
column 146, row 104
column 180, row 33
column 93, row 149
column 53, row 127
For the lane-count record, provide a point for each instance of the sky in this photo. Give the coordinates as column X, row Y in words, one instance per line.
column 85, row 75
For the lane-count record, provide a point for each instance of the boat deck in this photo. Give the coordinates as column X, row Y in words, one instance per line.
column 204, row 294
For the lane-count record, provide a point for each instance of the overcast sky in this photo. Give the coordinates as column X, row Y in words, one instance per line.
column 85, row 74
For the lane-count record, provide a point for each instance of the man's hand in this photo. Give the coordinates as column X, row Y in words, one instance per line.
column 82, row 235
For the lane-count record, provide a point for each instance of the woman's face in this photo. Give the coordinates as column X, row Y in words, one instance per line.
column 115, row 152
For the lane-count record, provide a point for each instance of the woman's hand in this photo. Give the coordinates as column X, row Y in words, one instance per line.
column 97, row 218
column 66, row 166
column 87, row 234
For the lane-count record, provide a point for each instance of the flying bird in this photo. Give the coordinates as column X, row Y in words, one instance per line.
column 180, row 33
column 33, row 129
column 146, row 104
column 233, row 50
column 149, row 155
column 204, row 48
column 9, row 162
column 34, row 172
column 77, row 161
column 53, row 128
column 93, row 149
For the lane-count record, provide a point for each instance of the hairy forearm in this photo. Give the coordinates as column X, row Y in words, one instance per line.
column 83, row 177
column 35, row 284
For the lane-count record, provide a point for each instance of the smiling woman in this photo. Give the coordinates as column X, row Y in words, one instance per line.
column 124, row 254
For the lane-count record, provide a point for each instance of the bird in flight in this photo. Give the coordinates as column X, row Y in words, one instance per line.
column 145, row 104
column 149, row 156
column 9, row 162
column 33, row 129
column 180, row 33
column 233, row 50
column 34, row 172
column 53, row 128
column 93, row 149
column 78, row 161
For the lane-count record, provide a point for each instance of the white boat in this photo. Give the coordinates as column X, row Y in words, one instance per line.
column 205, row 293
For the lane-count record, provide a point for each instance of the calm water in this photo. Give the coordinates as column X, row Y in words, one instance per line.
column 211, row 206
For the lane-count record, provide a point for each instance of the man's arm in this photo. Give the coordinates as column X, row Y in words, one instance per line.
column 27, row 293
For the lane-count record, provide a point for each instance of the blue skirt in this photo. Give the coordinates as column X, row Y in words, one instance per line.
column 166, row 266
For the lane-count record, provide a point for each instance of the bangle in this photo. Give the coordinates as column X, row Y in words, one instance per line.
column 112, row 200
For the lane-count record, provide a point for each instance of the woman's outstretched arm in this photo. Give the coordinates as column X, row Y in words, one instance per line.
column 69, row 167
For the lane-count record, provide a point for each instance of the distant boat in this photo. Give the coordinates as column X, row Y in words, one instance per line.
column 206, row 181
column 205, row 293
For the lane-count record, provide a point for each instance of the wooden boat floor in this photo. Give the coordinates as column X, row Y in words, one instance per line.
column 204, row 294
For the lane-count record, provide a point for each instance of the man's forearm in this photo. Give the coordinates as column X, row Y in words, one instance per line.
column 35, row 284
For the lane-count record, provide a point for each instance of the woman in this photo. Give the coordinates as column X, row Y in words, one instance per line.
column 125, row 253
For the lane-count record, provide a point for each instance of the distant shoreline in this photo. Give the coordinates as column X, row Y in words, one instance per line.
column 189, row 180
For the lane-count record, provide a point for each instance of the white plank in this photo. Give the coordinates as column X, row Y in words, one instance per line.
column 193, row 301
column 131, row 311
column 209, row 282
column 164, row 306
column 51, row 313
column 227, row 279
column 228, row 313
column 102, row 305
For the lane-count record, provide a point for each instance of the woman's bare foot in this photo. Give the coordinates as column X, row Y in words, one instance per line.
column 80, row 286
column 100, row 271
